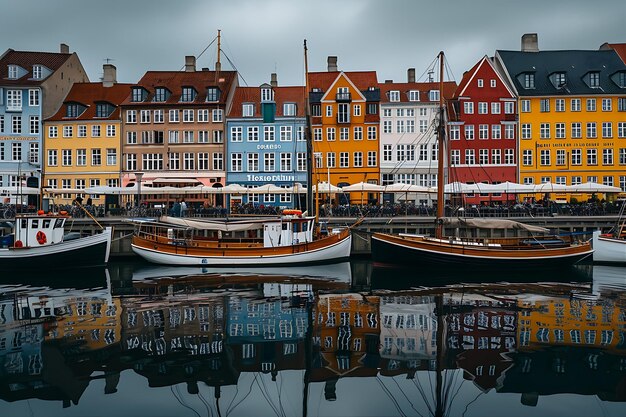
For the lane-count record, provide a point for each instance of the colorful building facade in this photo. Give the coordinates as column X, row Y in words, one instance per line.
column 266, row 143
column 572, row 114
column 345, row 126
column 483, row 132
column 82, row 141
column 32, row 87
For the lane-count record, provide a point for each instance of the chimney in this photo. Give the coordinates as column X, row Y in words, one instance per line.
column 190, row 63
column 332, row 63
column 65, row 49
column 274, row 80
column 110, row 75
column 410, row 75
column 530, row 42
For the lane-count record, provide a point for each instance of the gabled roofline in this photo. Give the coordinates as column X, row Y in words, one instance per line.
column 484, row 59
column 341, row 74
column 506, row 73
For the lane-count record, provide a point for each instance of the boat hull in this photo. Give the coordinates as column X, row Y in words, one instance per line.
column 424, row 253
column 300, row 254
column 85, row 251
column 608, row 249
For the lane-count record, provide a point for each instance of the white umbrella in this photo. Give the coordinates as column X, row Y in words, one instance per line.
column 266, row 189
column 399, row 187
column 234, row 189
column 364, row 187
column 549, row 187
column 593, row 187
column 326, row 188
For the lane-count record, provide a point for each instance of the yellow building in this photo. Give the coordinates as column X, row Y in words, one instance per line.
column 572, row 115
column 82, row 140
column 345, row 121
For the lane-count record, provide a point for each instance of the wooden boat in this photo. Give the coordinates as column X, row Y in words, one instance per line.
column 611, row 247
column 290, row 239
column 438, row 252
column 38, row 241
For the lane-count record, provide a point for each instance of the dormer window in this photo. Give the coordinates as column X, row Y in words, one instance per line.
column 480, row 83
column 394, row 95
column 161, row 94
column 13, row 72
column 138, row 94
column 558, row 79
column 414, row 95
column 37, row 72
column 594, row 79
column 212, row 94
column 289, row 109
column 528, row 80
column 619, row 78
column 267, row 94
column 433, row 95
column 188, row 95
column 104, row 110
column 247, row 110
column 71, row 110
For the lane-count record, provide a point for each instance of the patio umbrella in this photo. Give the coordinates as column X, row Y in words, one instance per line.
column 326, row 188
column 364, row 187
column 592, row 187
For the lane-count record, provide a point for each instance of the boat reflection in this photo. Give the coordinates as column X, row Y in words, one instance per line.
column 221, row 335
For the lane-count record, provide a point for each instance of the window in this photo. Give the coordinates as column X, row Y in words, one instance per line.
column 621, row 129
column 52, row 157
column 509, row 156
column 469, row 132
column 96, row 157
column 607, row 156
column 496, row 132
column 174, row 116
column 285, row 162
column 131, row 162
column 525, row 106
column 576, row 130
column 203, row 115
column 330, row 160
column 330, row 134
column 81, row 157
column 138, row 94
column 577, row 158
column 160, row 94
column 526, row 131
column 480, row 82
column 483, row 132
column 592, row 156
column 253, row 133
column 188, row 116
column 455, row 132
column 544, row 105
column 509, row 107
column 289, row 109
column 544, row 157
column 455, row 157
column 236, row 162
column 495, row 108
column 591, row 130
column 483, row 156
column 218, row 115
column 387, row 153
column 344, row 161
column 575, row 104
column 236, row 134
column 591, row 104
column 394, row 95
column 358, row 132
column 269, row 162
column 371, row 158
column 34, row 125
column 253, row 162
column 111, row 156
column 433, row 95
column 268, row 133
column 218, row 161
column 470, row 157
column 607, row 129
column 529, row 81
column 468, row 107
column 414, row 95
column 111, row 131
column 33, row 97
column 13, row 72
column 527, row 157
column 483, row 108
column 607, row 104
column 14, row 100
column 560, row 157
column 144, row 116
column 594, row 79
column 358, row 159
column 212, row 94
column 559, row 105
column 285, row 134
column 344, row 133
column 188, row 95
column 544, row 131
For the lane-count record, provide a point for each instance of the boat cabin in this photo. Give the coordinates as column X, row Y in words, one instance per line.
column 35, row 231
column 288, row 231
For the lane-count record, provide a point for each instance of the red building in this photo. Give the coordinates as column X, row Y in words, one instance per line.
column 482, row 132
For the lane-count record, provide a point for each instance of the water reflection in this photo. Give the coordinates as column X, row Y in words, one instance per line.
column 322, row 340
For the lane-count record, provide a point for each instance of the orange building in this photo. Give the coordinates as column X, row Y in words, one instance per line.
column 345, row 119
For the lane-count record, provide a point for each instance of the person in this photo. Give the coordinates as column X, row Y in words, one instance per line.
column 176, row 209
column 183, row 208
column 79, row 199
column 89, row 202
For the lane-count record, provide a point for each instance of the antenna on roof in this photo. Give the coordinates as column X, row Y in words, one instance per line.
column 430, row 75
column 108, row 60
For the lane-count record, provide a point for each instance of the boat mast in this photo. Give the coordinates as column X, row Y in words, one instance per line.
column 309, row 143
column 440, row 153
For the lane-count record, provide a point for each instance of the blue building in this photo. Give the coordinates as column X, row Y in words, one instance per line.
column 266, row 143
column 33, row 86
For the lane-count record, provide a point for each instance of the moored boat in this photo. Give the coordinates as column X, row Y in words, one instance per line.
column 610, row 247
column 290, row 239
column 537, row 249
column 38, row 241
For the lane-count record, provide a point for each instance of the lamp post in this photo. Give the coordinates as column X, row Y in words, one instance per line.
column 138, row 177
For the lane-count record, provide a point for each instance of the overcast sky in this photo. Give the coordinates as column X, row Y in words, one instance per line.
column 265, row 36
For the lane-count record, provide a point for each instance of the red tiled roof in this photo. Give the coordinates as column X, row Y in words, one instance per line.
column 281, row 95
column 361, row 79
column 174, row 81
column 448, row 90
column 89, row 94
column 620, row 48
column 26, row 60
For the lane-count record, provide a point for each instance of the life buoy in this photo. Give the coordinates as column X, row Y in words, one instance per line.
column 18, row 244
column 292, row 212
column 41, row 238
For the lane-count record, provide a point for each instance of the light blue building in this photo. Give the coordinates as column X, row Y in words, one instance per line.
column 33, row 86
column 266, row 144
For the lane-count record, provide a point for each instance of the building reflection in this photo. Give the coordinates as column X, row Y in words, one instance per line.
column 207, row 331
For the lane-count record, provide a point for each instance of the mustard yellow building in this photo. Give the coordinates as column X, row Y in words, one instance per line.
column 82, row 146
column 572, row 115
column 345, row 126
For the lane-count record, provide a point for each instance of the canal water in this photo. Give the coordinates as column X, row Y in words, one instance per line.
column 347, row 339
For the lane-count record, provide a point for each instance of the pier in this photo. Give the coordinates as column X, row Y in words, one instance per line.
column 122, row 230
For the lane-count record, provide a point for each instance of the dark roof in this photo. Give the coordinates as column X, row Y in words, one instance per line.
column 620, row 48
column 448, row 89
column 362, row 80
column 281, row 95
column 26, row 60
column 576, row 65
column 174, row 81
column 89, row 94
